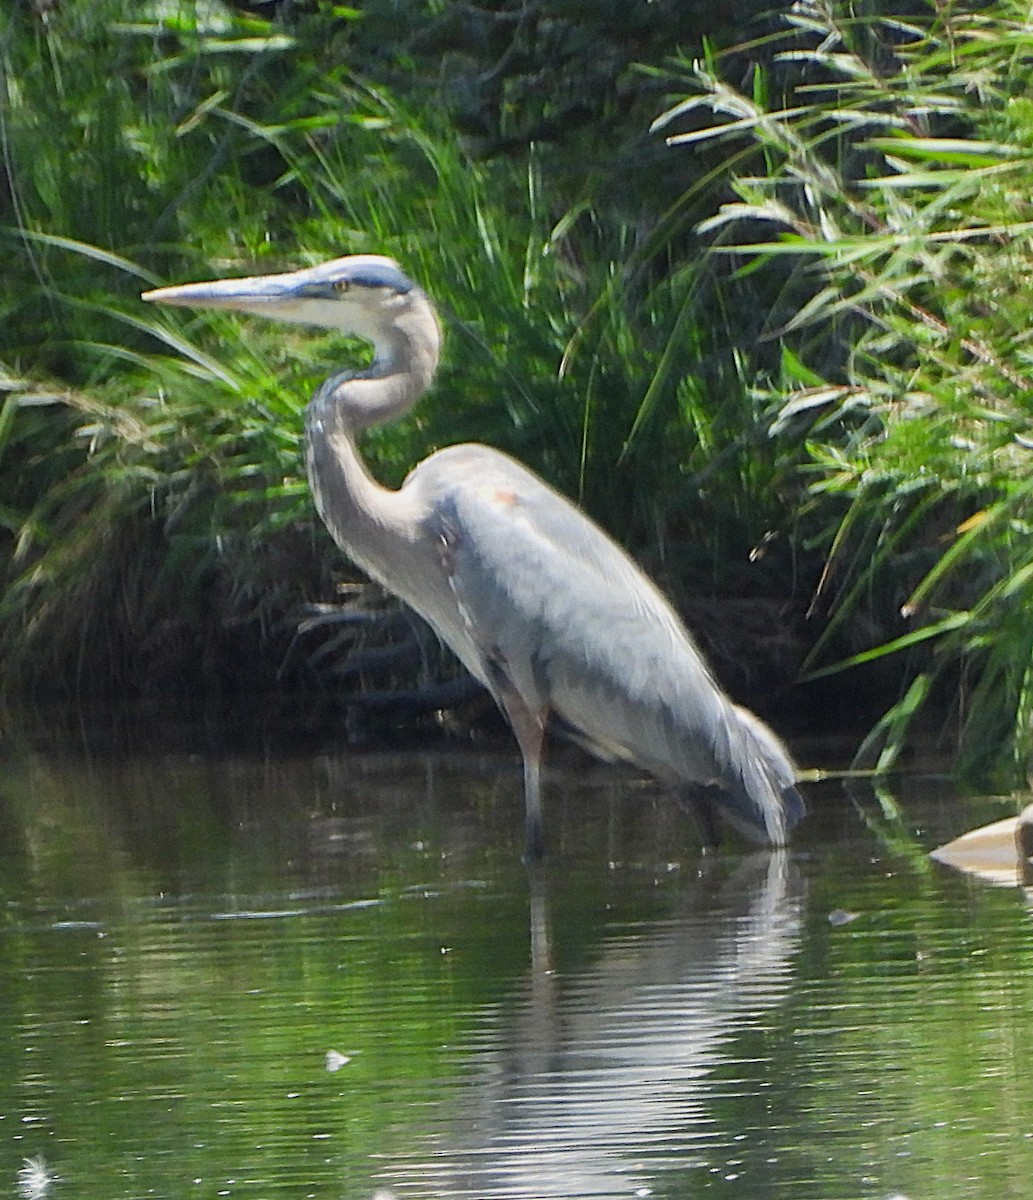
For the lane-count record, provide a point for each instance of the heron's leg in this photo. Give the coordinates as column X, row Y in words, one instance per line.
column 695, row 798
column 534, row 835
column 529, row 729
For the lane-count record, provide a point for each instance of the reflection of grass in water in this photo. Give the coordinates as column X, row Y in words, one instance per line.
column 411, row 941
column 890, row 1035
column 198, row 1025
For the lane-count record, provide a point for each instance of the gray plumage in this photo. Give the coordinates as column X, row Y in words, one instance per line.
column 538, row 603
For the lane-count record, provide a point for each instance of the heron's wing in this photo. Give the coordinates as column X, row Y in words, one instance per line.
column 549, row 599
column 571, row 618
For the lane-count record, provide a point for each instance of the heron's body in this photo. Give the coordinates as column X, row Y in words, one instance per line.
column 536, row 601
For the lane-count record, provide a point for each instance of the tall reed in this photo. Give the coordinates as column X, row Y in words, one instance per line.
column 158, row 512
column 883, row 179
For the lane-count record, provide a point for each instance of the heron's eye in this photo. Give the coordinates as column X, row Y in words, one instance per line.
column 341, row 286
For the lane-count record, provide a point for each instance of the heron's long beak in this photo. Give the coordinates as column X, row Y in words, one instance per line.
column 267, row 295
column 343, row 294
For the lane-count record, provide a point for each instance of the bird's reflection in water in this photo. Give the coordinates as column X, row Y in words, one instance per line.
column 594, row 1083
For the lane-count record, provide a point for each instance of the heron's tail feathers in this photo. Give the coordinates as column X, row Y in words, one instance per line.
column 758, row 780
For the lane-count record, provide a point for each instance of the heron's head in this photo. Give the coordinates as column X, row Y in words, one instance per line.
column 365, row 294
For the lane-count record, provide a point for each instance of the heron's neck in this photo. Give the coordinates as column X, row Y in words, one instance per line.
column 406, row 356
column 366, row 519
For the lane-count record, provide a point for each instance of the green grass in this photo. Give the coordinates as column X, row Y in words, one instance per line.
column 155, row 525
column 884, row 174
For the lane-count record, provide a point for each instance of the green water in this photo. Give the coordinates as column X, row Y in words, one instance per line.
column 323, row 974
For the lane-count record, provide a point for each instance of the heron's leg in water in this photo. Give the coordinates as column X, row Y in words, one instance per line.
column 529, row 729
column 695, row 799
column 534, row 836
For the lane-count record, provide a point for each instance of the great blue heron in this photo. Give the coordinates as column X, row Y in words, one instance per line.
column 538, row 603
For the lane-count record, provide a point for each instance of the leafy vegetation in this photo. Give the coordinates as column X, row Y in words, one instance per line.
column 782, row 357
column 889, row 186
column 160, row 520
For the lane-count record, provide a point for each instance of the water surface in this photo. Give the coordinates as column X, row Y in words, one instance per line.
column 324, row 974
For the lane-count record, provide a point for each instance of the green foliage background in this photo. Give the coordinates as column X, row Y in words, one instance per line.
column 774, row 341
